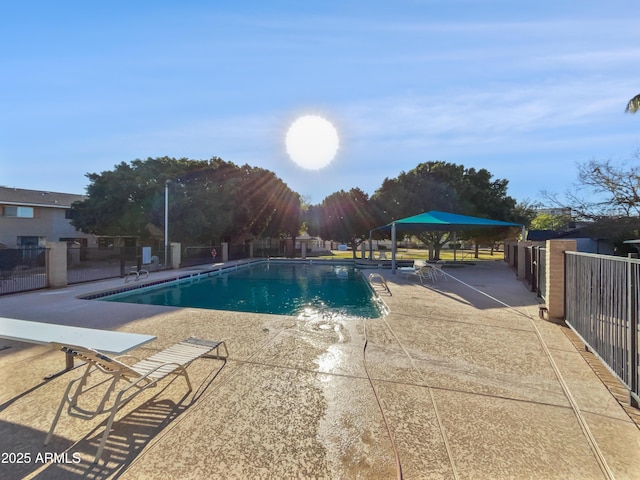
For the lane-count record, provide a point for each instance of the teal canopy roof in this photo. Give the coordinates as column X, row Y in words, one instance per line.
column 443, row 221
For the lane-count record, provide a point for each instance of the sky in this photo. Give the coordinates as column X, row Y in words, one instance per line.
column 526, row 90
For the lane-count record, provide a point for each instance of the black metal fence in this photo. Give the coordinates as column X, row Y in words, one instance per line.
column 22, row 269
column 541, row 273
column 528, row 266
column 511, row 254
column 238, row 252
column 601, row 305
column 266, row 252
column 86, row 264
column 200, row 255
column 535, row 269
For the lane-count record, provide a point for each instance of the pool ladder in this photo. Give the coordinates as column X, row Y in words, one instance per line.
column 377, row 279
column 135, row 274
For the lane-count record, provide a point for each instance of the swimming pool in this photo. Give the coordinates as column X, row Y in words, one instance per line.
column 287, row 288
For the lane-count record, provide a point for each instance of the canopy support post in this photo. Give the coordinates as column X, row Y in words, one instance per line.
column 455, row 245
column 393, row 248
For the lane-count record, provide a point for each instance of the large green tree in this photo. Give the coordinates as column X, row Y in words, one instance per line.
column 448, row 187
column 546, row 221
column 343, row 216
column 209, row 201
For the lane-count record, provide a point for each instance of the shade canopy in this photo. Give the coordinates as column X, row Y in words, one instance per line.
column 436, row 221
column 443, row 221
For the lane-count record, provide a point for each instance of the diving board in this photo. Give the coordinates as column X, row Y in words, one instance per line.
column 40, row 333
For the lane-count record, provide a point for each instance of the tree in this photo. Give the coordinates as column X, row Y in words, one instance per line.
column 546, row 221
column 604, row 189
column 447, row 187
column 634, row 105
column 617, row 185
column 607, row 196
column 209, row 201
column 343, row 216
column 616, row 230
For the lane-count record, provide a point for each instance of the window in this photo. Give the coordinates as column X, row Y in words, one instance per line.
column 19, row 212
column 106, row 242
column 29, row 242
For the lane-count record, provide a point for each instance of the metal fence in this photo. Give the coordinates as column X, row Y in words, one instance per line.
column 200, row 255
column 238, row 252
column 541, row 272
column 22, row 269
column 535, row 269
column 601, row 306
column 88, row 264
column 511, row 254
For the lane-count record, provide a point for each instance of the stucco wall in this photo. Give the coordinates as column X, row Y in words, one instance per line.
column 48, row 223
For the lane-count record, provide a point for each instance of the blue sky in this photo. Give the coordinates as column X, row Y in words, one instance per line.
column 526, row 90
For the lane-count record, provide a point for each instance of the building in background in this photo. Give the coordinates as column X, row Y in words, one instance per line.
column 30, row 218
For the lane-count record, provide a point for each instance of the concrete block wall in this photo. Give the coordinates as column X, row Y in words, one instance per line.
column 555, row 276
column 56, row 264
column 522, row 246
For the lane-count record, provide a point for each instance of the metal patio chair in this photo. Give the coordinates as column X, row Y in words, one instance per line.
column 136, row 378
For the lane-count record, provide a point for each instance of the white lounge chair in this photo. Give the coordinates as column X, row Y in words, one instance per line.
column 422, row 270
column 427, row 272
column 143, row 374
column 437, row 270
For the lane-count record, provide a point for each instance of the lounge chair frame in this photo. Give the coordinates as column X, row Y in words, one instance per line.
column 143, row 374
column 424, row 271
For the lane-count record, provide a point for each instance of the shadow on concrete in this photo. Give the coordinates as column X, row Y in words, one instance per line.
column 129, row 436
column 22, row 449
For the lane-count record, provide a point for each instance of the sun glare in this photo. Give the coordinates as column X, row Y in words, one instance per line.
column 312, row 142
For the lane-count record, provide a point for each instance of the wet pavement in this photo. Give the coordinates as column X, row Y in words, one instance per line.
column 461, row 380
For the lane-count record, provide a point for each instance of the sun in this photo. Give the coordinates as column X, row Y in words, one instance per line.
column 312, row 142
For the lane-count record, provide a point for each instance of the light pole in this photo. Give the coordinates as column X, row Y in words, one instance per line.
column 166, row 222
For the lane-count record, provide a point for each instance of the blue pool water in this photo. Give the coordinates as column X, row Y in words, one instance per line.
column 269, row 287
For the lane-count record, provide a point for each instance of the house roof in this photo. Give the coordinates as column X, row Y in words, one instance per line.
column 37, row 198
column 542, row 235
column 579, row 233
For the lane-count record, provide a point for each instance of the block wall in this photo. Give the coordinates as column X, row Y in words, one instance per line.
column 555, row 276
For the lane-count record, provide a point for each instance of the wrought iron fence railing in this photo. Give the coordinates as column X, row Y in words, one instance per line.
column 22, row 269
column 535, row 269
column 602, row 307
column 238, row 252
column 200, row 255
column 88, row 264
column 541, row 273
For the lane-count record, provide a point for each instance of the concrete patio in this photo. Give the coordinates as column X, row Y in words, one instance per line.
column 451, row 384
